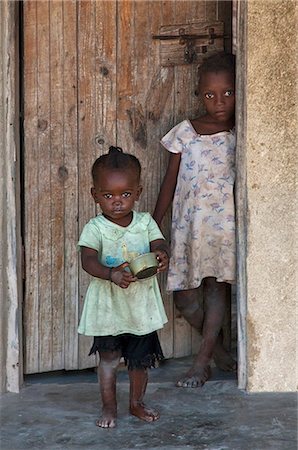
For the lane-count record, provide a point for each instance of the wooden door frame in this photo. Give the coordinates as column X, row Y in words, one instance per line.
column 11, row 279
column 11, row 370
column 241, row 191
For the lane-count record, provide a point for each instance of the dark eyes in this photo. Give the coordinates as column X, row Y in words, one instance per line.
column 227, row 93
column 124, row 195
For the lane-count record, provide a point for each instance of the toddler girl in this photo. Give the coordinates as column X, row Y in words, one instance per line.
column 200, row 182
column 121, row 312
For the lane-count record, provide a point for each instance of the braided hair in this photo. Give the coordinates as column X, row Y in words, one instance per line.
column 116, row 159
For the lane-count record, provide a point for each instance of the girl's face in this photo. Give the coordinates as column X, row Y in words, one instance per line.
column 116, row 192
column 218, row 92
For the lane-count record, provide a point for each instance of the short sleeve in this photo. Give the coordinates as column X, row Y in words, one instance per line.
column 173, row 141
column 154, row 231
column 90, row 237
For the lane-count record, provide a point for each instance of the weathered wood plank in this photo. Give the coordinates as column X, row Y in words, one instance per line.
column 11, row 282
column 182, row 330
column 86, row 141
column 166, row 121
column 241, row 194
column 197, row 10
column 57, row 182
column 139, row 80
column 31, row 301
column 168, row 9
column 125, row 73
column 183, row 89
column 158, row 107
column 212, row 9
column 70, row 179
column 106, row 73
column 225, row 16
column 44, row 188
column 142, row 134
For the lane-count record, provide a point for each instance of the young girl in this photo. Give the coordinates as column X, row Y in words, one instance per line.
column 200, row 180
column 121, row 312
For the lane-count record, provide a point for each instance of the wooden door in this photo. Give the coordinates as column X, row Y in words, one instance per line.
column 95, row 77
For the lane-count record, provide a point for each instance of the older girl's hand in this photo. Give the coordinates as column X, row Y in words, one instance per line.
column 121, row 276
column 163, row 260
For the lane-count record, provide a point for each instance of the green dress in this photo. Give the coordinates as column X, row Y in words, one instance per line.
column 109, row 309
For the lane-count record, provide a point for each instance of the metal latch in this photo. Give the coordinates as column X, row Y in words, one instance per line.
column 189, row 40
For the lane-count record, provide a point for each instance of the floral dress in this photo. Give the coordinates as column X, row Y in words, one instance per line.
column 203, row 217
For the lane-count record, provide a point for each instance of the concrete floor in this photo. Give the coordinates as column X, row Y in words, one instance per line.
column 58, row 412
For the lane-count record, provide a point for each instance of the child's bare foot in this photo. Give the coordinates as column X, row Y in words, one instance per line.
column 144, row 413
column 195, row 377
column 224, row 360
column 108, row 419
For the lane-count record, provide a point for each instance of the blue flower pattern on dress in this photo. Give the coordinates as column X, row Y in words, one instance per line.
column 203, row 217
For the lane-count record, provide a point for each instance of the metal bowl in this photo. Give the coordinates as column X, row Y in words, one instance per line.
column 144, row 266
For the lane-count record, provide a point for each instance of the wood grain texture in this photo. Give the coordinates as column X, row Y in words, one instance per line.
column 57, row 176
column 87, row 90
column 159, row 97
column 125, row 76
column 11, row 249
column 31, row 202
column 44, row 188
column 70, row 184
column 241, row 195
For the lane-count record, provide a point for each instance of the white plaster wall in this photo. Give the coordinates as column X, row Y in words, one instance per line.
column 271, row 195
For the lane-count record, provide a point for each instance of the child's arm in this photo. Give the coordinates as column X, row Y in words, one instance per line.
column 161, row 249
column 167, row 189
column 90, row 263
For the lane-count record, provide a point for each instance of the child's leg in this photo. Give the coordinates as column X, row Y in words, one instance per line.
column 107, row 375
column 212, row 317
column 138, row 383
column 187, row 303
column 222, row 357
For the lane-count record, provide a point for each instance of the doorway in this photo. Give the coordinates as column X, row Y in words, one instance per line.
column 94, row 77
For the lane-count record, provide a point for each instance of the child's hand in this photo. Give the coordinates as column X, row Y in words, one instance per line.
column 122, row 277
column 163, row 260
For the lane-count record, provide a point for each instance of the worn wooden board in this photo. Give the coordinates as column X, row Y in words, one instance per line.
column 31, row 301
column 69, row 177
column 87, row 91
column 57, row 175
column 45, row 319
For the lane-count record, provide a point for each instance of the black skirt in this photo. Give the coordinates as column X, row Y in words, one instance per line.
column 138, row 351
